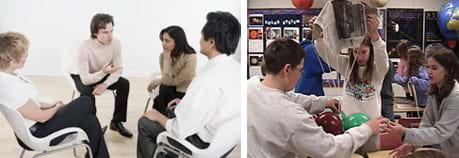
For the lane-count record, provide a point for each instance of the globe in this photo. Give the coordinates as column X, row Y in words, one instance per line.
column 448, row 19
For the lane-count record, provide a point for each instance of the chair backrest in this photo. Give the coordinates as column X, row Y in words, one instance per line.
column 398, row 90
column 154, row 76
column 412, row 91
column 16, row 121
column 70, row 61
column 224, row 141
column 226, row 138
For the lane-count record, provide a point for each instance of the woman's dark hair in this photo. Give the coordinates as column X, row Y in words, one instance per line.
column 99, row 21
column 181, row 44
column 354, row 76
column 416, row 59
column 448, row 60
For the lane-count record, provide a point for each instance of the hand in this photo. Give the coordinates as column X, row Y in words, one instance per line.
column 402, row 150
column 413, row 79
column 154, row 115
column 99, row 89
column 395, row 128
column 108, row 69
column 46, row 106
column 151, row 87
column 171, row 105
column 333, row 104
column 378, row 124
column 373, row 23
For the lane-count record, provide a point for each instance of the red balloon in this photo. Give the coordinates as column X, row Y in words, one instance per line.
column 302, row 4
column 330, row 122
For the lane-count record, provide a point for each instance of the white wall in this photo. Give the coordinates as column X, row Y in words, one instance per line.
column 428, row 5
column 51, row 24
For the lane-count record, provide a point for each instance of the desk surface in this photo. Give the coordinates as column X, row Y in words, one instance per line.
column 402, row 105
column 378, row 154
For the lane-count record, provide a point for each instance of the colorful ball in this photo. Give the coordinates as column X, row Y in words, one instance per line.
column 355, row 119
column 330, row 123
column 302, row 4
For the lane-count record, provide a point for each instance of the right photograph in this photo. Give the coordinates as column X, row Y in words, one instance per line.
column 352, row 78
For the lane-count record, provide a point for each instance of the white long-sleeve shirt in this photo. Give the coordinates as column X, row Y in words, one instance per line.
column 212, row 100
column 279, row 125
column 357, row 97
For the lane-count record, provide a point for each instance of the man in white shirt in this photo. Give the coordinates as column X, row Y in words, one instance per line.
column 280, row 122
column 212, row 99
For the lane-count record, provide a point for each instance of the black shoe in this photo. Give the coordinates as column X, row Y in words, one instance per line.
column 118, row 126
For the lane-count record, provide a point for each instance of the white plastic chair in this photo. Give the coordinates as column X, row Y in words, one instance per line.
column 71, row 141
column 155, row 92
column 70, row 65
column 398, row 90
column 226, row 138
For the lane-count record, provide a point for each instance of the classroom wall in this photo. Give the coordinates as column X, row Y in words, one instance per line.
column 52, row 24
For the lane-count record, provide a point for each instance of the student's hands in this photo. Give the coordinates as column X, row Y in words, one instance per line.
column 155, row 115
column 108, row 69
column 333, row 104
column 151, row 87
column 377, row 124
column 373, row 23
column 171, row 105
column 395, row 128
column 402, row 150
column 99, row 89
column 45, row 106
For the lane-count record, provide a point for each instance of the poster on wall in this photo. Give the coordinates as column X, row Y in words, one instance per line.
column 404, row 24
column 432, row 31
column 272, row 33
column 255, row 19
column 255, row 43
column 292, row 33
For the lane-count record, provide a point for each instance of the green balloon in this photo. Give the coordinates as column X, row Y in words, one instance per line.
column 342, row 115
column 354, row 120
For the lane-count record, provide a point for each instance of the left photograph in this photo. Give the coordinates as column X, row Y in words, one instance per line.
column 117, row 79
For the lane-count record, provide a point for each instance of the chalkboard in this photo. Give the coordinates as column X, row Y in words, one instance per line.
column 404, row 24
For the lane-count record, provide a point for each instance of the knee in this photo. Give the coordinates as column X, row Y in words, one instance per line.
column 86, row 103
column 124, row 82
column 142, row 123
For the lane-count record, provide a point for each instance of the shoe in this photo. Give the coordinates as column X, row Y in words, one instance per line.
column 118, row 126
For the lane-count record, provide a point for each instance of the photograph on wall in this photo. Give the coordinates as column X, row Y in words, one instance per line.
column 292, row 33
column 432, row 31
column 255, row 59
column 404, row 24
column 272, row 33
column 255, row 43
column 255, row 20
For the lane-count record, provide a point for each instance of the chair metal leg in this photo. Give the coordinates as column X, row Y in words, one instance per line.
column 73, row 95
column 74, row 152
column 146, row 106
column 89, row 149
column 22, row 153
column 114, row 94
